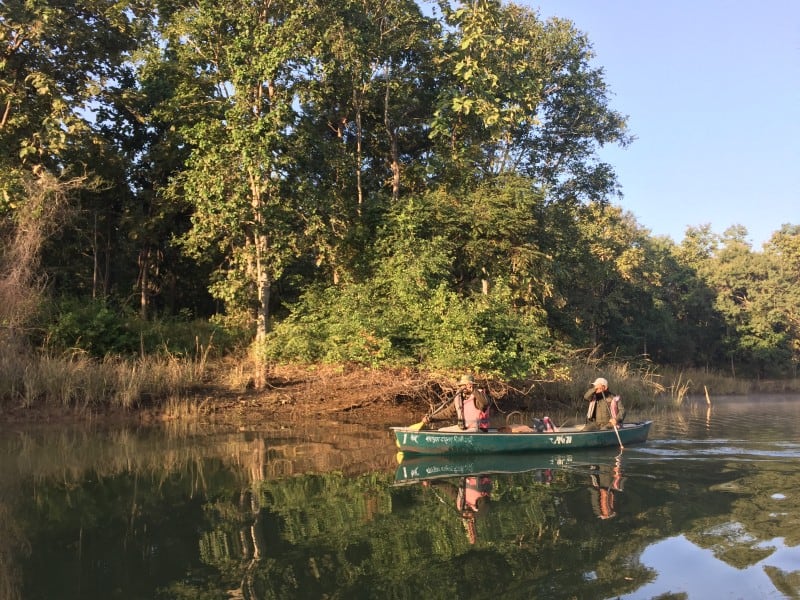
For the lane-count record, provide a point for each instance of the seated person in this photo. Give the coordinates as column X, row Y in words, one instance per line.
column 605, row 408
column 472, row 407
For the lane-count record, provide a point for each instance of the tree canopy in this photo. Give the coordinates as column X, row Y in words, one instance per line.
column 363, row 181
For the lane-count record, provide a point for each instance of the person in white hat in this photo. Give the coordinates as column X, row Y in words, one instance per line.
column 605, row 407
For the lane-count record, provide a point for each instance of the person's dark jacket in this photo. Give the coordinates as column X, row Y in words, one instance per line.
column 605, row 404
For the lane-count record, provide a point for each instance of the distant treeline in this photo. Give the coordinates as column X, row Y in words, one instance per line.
column 380, row 182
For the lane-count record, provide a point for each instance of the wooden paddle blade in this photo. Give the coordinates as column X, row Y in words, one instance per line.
column 417, row 426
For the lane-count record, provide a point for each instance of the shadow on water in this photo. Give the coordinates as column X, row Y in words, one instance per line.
column 706, row 508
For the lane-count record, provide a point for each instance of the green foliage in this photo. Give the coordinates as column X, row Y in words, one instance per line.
column 101, row 329
column 406, row 177
column 512, row 85
column 402, row 315
column 95, row 327
column 752, row 293
column 484, row 334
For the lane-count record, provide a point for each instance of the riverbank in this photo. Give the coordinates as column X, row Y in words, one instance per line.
column 288, row 393
column 227, row 396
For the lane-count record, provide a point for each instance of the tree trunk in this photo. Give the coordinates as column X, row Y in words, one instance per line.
column 95, row 260
column 394, row 161
column 264, row 290
column 144, row 282
column 359, row 136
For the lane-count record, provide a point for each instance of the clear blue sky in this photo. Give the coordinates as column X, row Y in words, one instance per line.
column 712, row 92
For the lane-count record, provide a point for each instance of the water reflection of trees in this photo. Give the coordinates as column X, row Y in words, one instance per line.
column 247, row 516
column 87, row 489
column 541, row 535
column 251, row 457
column 764, row 507
column 13, row 544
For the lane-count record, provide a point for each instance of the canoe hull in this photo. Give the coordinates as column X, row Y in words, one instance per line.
column 475, row 442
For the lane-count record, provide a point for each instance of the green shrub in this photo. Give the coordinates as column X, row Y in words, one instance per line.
column 96, row 327
column 101, row 329
column 484, row 334
column 432, row 328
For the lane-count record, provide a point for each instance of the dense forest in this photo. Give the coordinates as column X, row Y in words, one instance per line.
column 380, row 182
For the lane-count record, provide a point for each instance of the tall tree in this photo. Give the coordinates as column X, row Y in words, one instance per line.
column 778, row 304
column 365, row 113
column 521, row 95
column 57, row 58
column 754, row 344
column 241, row 175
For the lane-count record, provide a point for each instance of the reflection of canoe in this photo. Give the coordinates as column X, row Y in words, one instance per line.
column 414, row 468
column 476, row 442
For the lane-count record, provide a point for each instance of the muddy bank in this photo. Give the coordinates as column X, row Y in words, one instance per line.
column 353, row 395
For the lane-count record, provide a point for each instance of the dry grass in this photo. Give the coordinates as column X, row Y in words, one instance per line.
column 44, row 209
column 81, row 382
column 172, row 386
column 642, row 383
column 637, row 382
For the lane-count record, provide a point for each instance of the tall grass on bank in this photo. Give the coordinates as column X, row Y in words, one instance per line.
column 81, row 382
column 638, row 383
column 644, row 384
column 721, row 384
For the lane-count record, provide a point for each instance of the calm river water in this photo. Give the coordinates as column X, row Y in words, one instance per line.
column 708, row 508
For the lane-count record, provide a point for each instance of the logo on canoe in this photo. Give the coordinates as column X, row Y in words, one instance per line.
column 562, row 440
column 451, row 440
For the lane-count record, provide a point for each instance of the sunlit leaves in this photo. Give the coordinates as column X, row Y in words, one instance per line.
column 442, row 170
column 519, row 95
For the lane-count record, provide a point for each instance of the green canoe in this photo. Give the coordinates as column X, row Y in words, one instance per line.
column 476, row 442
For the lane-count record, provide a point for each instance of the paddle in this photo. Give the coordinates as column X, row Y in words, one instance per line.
column 421, row 424
column 614, row 413
column 621, row 447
